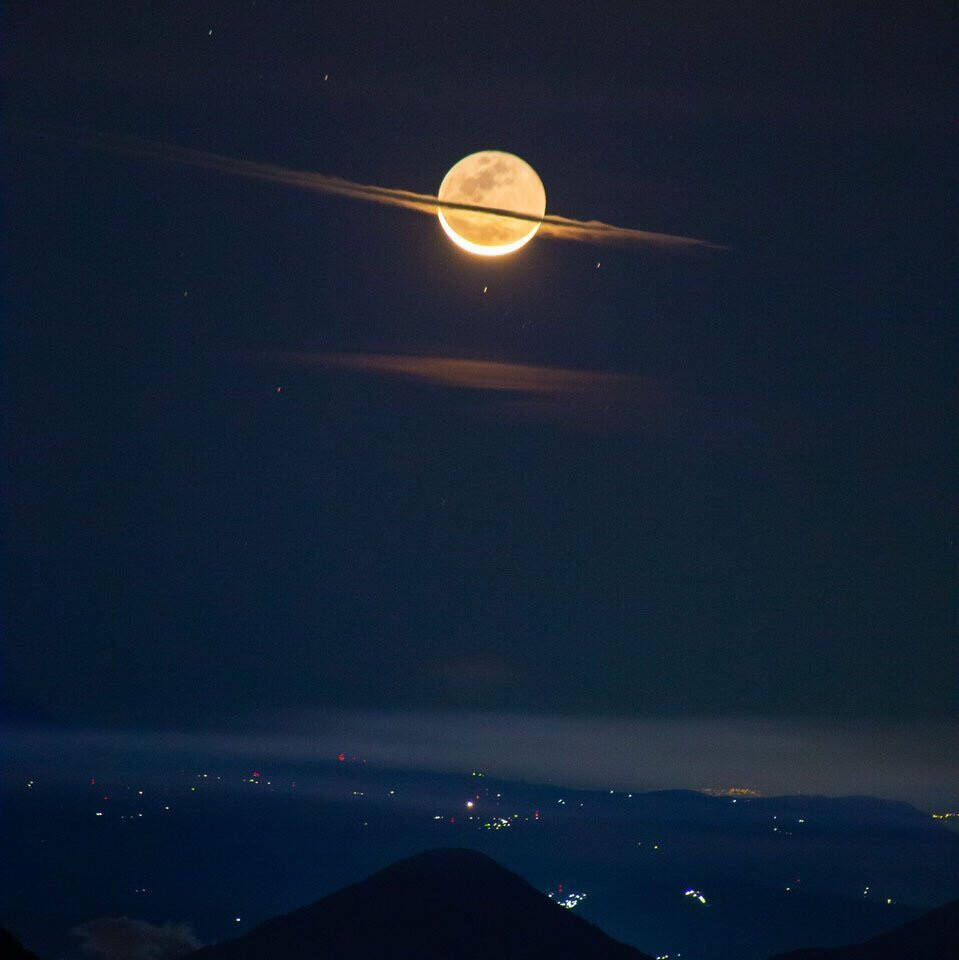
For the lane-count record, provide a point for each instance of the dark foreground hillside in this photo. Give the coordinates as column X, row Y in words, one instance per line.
column 440, row 905
column 933, row 936
column 454, row 904
column 12, row 949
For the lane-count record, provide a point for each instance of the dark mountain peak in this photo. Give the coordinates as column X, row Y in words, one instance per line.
column 444, row 866
column 430, row 862
column 933, row 936
column 445, row 904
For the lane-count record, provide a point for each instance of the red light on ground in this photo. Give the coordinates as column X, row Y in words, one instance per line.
column 341, row 757
column 452, row 819
column 256, row 773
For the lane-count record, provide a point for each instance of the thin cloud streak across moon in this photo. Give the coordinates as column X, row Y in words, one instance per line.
column 559, row 228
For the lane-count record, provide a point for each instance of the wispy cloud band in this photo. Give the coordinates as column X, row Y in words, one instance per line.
column 579, row 399
column 479, row 374
column 908, row 761
column 560, row 228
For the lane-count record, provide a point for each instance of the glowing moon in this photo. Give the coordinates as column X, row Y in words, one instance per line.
column 495, row 179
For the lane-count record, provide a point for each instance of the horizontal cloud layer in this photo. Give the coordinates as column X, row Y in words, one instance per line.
column 483, row 374
column 912, row 762
column 579, row 399
column 561, row 228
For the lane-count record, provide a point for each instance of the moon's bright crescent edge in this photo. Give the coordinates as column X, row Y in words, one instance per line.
column 484, row 250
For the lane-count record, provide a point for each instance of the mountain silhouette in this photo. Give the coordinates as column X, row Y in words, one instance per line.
column 12, row 949
column 446, row 904
column 933, row 936
column 453, row 904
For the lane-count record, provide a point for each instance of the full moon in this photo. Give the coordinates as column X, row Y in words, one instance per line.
column 495, row 179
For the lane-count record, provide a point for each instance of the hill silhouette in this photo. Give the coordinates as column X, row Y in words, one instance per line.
column 447, row 904
column 933, row 936
column 454, row 904
column 12, row 949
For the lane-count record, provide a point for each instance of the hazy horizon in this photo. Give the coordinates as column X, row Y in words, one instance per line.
column 908, row 762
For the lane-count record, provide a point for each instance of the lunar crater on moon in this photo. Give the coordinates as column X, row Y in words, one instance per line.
column 491, row 178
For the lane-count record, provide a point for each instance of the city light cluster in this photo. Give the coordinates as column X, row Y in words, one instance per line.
column 730, row 791
column 568, row 900
column 498, row 823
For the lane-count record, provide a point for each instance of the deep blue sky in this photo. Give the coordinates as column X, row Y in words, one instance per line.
column 761, row 524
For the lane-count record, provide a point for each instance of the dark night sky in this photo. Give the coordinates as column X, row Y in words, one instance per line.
column 760, row 524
